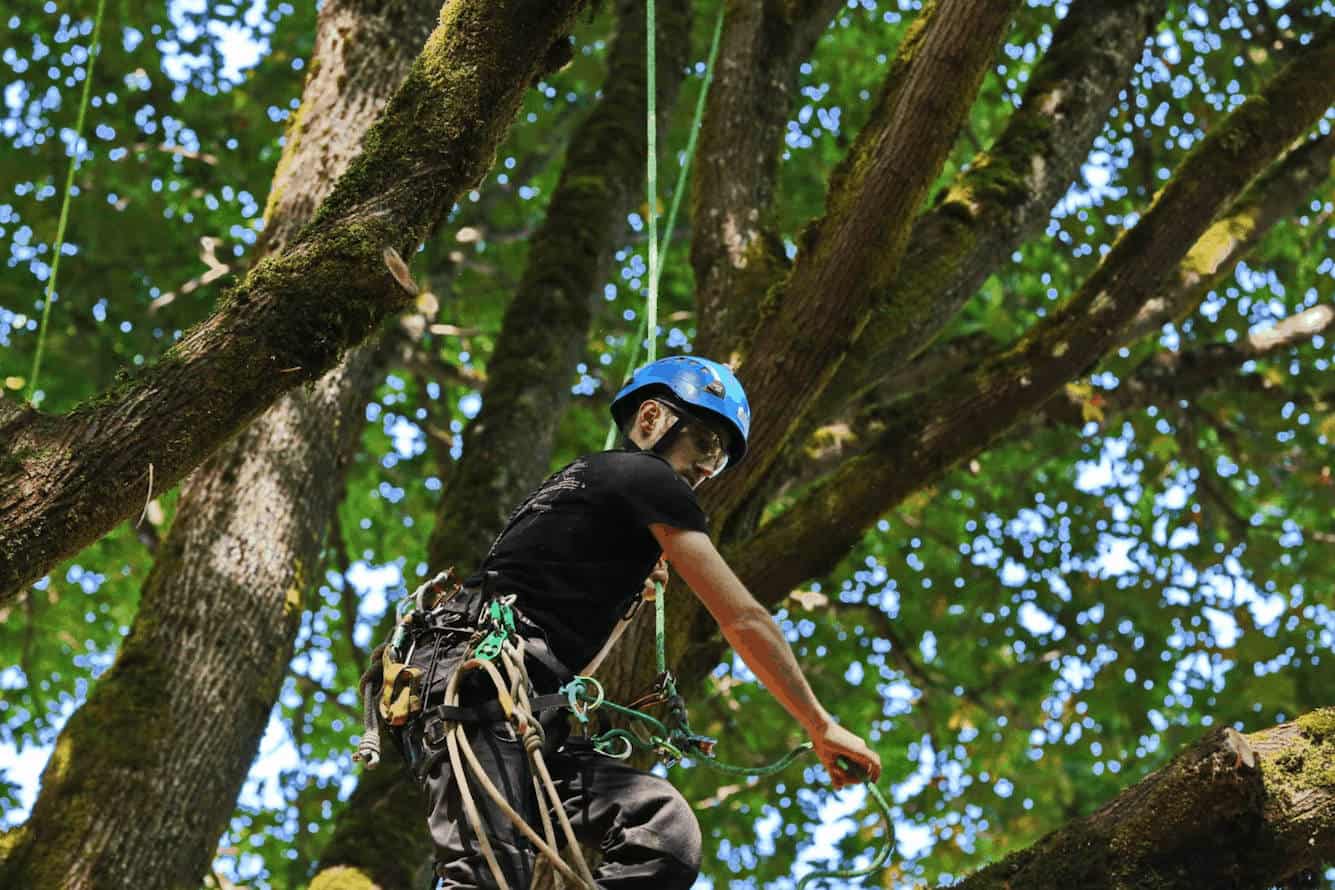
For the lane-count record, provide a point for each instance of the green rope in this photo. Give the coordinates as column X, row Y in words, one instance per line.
column 656, row 254
column 660, row 627
column 651, row 183
column 882, row 854
column 65, row 204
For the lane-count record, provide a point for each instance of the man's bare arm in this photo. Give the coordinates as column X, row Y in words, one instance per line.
column 751, row 630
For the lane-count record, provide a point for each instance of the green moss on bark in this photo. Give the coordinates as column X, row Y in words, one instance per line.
column 104, row 743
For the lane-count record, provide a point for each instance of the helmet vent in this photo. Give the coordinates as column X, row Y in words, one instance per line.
column 715, row 388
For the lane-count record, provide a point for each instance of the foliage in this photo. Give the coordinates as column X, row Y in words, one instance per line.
column 1024, row 638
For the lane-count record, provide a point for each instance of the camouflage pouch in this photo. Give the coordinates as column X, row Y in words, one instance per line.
column 401, row 692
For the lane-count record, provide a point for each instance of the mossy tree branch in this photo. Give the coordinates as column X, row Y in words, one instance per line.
column 970, row 409
column 1239, row 811
column 809, row 321
column 210, row 644
column 1004, row 197
column 1271, row 199
column 65, row 480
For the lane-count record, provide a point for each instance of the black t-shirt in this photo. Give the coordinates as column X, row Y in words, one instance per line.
column 577, row 550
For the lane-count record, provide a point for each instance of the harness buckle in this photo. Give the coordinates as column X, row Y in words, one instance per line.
column 434, row 732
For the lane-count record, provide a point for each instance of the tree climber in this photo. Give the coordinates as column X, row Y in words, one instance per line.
column 573, row 560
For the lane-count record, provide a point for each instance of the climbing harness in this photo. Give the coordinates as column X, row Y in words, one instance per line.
column 93, row 46
column 497, row 649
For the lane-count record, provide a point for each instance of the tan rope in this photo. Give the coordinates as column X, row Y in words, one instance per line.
column 519, row 715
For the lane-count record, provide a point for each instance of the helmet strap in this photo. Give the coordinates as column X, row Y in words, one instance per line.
column 669, row 436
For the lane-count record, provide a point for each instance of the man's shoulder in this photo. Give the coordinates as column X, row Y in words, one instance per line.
column 631, row 462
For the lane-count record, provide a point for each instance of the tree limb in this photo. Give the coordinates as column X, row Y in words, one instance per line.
column 1231, row 811
column 736, row 252
column 854, row 251
column 65, row 480
column 1004, row 197
column 969, row 410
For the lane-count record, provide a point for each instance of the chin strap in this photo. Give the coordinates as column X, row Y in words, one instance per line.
column 664, row 441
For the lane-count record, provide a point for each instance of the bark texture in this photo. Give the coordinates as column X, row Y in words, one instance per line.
column 64, row 480
column 211, row 642
column 1007, row 193
column 1274, row 197
column 1233, row 811
column 1003, row 198
column 736, row 250
column 809, row 321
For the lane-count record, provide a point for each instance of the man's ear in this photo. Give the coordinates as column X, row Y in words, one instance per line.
column 648, row 415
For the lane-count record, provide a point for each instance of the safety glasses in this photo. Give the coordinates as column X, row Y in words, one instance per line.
column 709, row 445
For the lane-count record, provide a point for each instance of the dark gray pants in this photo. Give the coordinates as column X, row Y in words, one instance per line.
column 648, row 835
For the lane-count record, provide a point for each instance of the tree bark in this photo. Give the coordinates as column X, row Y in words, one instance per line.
column 210, row 645
column 64, row 480
column 1244, row 812
column 1004, row 197
column 381, row 834
column 1007, row 193
column 736, row 250
column 1274, row 197
column 809, row 322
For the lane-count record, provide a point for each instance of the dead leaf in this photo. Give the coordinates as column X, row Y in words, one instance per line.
column 810, row 600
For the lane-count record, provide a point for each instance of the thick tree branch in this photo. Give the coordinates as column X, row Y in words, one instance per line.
column 1231, row 811
column 211, row 642
column 969, row 410
column 1006, row 194
column 1003, row 198
column 64, row 480
column 736, row 251
column 1273, row 197
column 854, row 251
column 1164, row 377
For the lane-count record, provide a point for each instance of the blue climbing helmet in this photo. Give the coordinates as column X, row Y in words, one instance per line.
column 696, row 386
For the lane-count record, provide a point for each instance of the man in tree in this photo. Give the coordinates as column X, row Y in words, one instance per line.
column 573, row 555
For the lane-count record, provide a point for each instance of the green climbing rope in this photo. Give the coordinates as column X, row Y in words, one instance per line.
column 673, row 741
column 93, row 47
column 657, row 252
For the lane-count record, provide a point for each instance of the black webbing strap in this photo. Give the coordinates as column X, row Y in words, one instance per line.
column 490, row 711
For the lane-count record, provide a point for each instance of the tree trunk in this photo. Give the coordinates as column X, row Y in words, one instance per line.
column 1233, row 811
column 211, row 642
column 65, row 480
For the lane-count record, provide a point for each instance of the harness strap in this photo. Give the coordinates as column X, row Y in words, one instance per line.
column 488, row 711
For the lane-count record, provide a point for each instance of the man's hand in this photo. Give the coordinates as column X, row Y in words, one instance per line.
column 833, row 742
column 658, row 576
